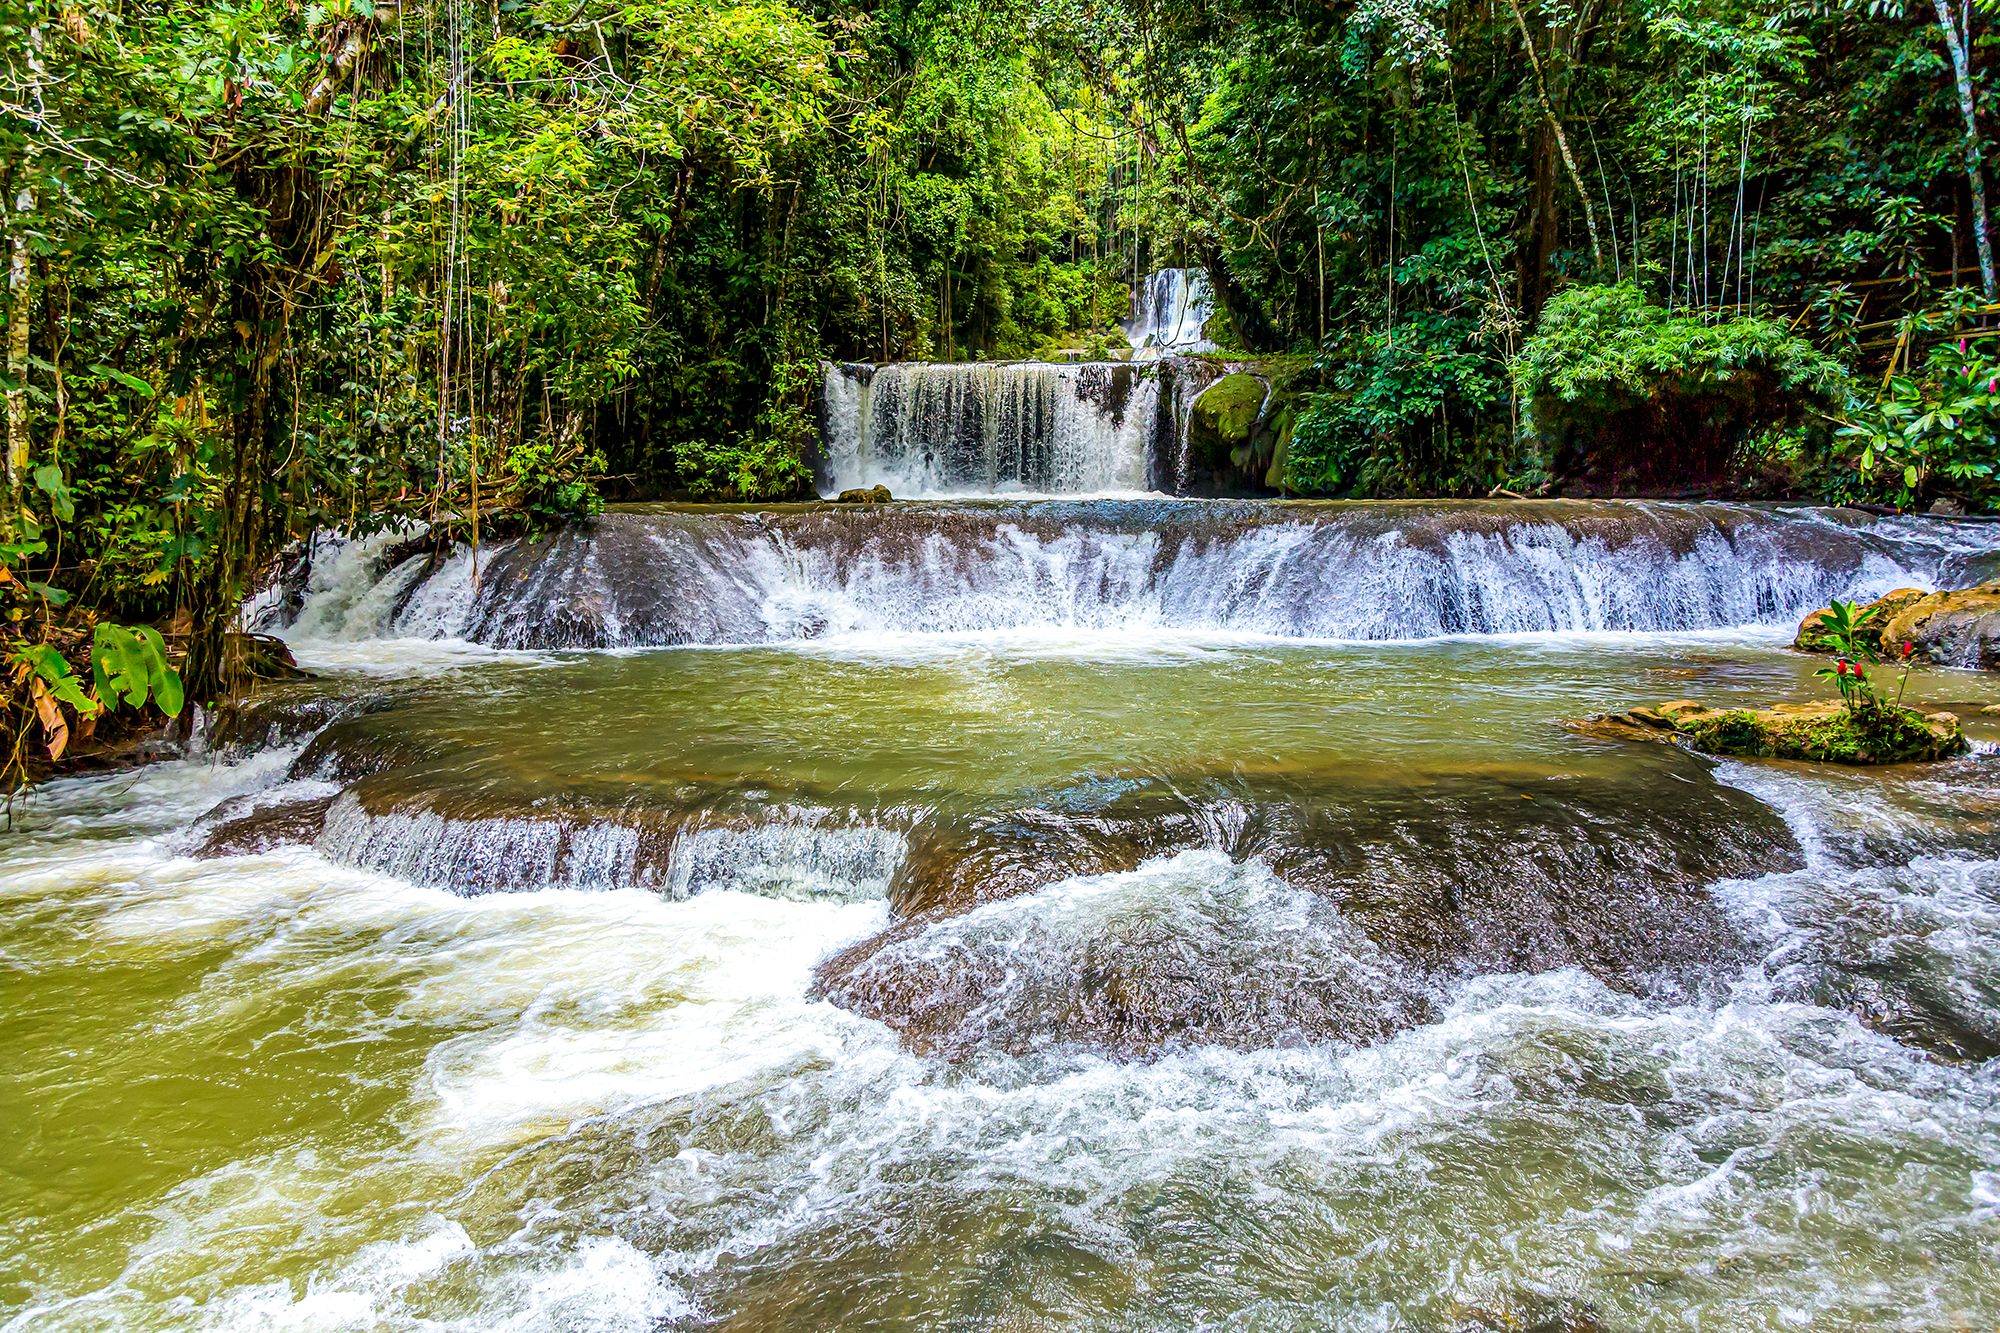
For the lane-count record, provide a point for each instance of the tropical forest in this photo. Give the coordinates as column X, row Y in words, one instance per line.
column 906, row 664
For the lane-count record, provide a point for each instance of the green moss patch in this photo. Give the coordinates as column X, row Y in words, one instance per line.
column 1824, row 733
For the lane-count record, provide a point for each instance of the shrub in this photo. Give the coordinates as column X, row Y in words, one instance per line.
column 1932, row 434
column 768, row 462
column 551, row 480
column 1623, row 396
column 1411, row 414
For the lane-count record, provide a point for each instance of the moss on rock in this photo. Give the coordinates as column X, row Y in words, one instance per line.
column 1827, row 732
column 1224, row 417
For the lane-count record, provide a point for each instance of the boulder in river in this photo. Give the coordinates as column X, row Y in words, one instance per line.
column 1952, row 629
column 1813, row 635
column 1225, row 416
column 864, row 495
column 1960, row 628
column 1826, row 731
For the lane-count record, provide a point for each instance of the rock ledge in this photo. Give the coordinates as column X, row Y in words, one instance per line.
column 1827, row 732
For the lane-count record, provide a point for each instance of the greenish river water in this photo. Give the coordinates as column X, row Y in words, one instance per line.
column 1089, row 968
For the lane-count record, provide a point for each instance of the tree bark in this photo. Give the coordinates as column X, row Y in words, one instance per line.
column 1245, row 315
column 18, row 298
column 1974, row 167
column 20, row 294
column 1555, row 127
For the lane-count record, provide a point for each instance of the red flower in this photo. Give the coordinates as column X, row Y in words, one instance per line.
column 1840, row 667
column 1908, row 648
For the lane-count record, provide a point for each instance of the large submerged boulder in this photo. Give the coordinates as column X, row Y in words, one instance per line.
column 1828, row 731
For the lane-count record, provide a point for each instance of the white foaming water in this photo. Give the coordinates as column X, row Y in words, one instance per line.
column 990, row 428
column 1175, row 932
column 473, row 854
column 340, row 589
column 800, row 859
column 1170, row 309
column 641, row 579
column 797, row 855
column 614, row 1111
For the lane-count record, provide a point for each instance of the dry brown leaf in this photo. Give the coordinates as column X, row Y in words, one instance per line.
column 53, row 722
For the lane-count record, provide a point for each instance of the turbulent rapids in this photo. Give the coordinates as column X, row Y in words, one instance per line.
column 996, row 913
column 665, row 576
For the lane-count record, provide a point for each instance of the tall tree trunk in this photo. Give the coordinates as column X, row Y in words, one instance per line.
column 1252, row 326
column 18, row 297
column 1545, row 203
column 19, row 291
column 1556, row 128
column 209, row 673
column 1974, row 169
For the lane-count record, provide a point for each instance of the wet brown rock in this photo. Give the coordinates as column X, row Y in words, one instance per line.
column 864, row 495
column 1307, row 914
column 245, row 828
column 1812, row 636
column 1951, row 629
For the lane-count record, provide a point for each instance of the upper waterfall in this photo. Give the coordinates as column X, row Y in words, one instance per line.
column 990, row 428
column 1170, row 309
column 931, row 430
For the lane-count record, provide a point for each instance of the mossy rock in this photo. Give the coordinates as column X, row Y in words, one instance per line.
column 1827, row 732
column 1281, row 450
column 1224, row 417
column 1813, row 638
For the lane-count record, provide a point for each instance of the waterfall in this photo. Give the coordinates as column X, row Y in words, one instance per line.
column 990, row 428
column 796, row 855
column 1169, row 310
column 663, row 575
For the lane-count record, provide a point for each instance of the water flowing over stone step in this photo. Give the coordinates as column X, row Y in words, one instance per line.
column 664, row 575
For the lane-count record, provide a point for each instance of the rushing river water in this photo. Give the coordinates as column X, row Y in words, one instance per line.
column 1025, row 916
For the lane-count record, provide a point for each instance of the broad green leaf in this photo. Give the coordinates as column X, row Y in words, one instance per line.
column 49, row 478
column 131, row 382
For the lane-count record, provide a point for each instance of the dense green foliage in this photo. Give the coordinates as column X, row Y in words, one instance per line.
column 1934, row 432
column 276, row 267
column 1625, row 397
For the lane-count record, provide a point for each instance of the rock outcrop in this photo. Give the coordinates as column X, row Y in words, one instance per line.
column 1826, row 731
column 1960, row 628
column 1952, row 629
column 1813, row 636
column 1224, row 418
